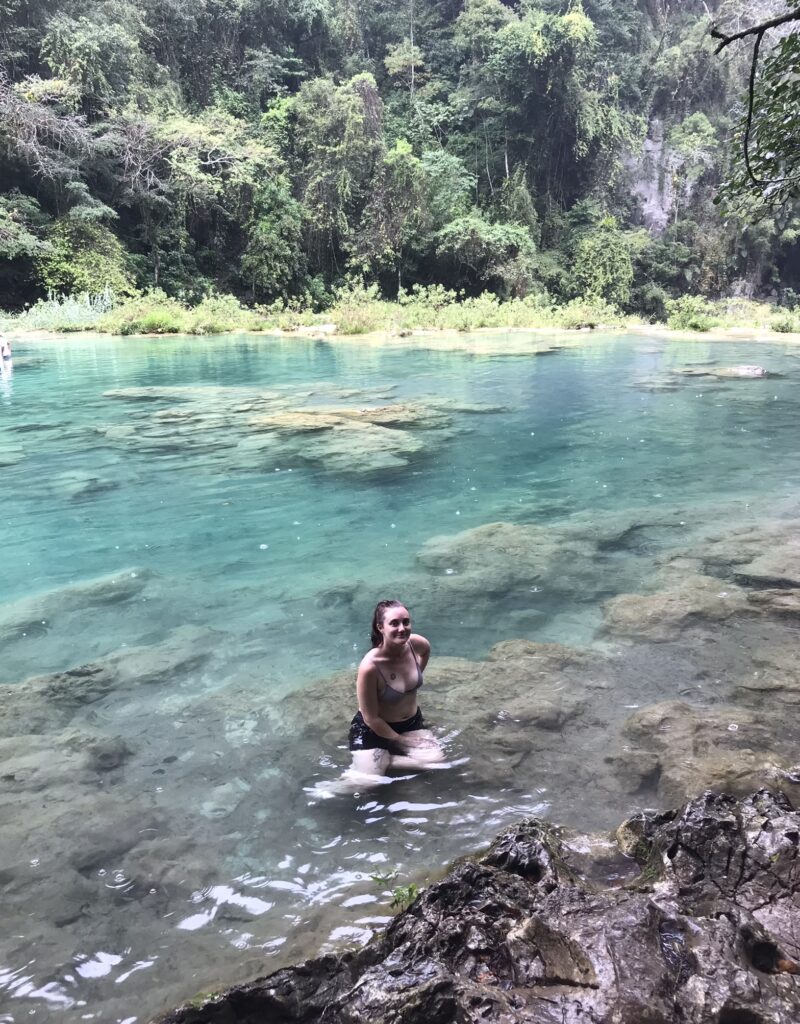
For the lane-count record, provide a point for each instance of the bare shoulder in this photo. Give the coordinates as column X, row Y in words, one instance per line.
column 420, row 644
column 367, row 664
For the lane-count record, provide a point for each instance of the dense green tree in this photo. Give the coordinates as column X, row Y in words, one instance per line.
column 22, row 239
column 273, row 261
column 339, row 144
column 603, row 263
column 413, row 201
column 98, row 54
column 448, row 187
column 273, row 149
column 21, row 224
column 394, row 216
column 83, row 256
column 487, row 253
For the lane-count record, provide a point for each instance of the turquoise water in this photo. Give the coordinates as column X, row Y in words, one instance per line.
column 575, row 436
column 264, row 562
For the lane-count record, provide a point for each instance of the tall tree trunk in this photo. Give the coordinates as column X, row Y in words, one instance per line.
column 411, row 13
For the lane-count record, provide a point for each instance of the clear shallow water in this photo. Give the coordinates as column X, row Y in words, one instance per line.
column 276, row 564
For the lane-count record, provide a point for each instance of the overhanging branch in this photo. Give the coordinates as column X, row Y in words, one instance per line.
column 758, row 31
column 754, row 30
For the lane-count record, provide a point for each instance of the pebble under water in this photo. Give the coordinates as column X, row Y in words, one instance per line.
column 196, row 532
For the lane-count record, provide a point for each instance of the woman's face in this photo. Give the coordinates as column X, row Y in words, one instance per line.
column 396, row 625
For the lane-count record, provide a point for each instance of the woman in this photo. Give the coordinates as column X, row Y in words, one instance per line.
column 387, row 729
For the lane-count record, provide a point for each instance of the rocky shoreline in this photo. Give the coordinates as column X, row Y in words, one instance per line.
column 690, row 915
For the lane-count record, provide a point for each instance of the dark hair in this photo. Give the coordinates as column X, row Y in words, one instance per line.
column 377, row 619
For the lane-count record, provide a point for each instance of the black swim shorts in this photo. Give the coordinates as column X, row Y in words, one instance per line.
column 363, row 738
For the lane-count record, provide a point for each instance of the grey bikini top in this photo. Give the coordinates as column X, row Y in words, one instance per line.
column 390, row 694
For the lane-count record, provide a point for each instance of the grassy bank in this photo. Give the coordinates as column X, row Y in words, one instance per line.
column 360, row 310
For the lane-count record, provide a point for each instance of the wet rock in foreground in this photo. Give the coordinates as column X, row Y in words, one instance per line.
column 699, row 923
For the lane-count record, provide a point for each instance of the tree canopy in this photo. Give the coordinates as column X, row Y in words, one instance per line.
column 274, row 150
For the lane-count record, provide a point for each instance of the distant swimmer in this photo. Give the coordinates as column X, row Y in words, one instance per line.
column 6, row 363
column 387, row 730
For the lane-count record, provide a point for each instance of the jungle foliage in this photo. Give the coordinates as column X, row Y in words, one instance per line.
column 768, row 170
column 279, row 152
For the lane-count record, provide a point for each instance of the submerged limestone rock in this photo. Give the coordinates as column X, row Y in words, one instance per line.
column 357, row 448
column 33, row 763
column 260, row 430
column 551, row 928
column 11, row 454
column 744, row 569
column 498, row 557
column 663, row 615
column 30, row 615
column 79, row 486
column 721, row 549
column 777, row 601
column 672, row 380
column 776, row 679
column 724, row 372
column 547, row 657
column 46, row 703
column 684, row 749
column 325, row 417
column 777, row 566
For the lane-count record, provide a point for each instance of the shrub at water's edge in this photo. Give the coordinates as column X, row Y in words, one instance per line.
column 355, row 310
column 157, row 313
column 691, row 313
column 152, row 313
column 359, row 309
column 62, row 313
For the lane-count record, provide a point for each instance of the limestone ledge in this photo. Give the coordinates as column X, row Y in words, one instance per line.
column 30, row 615
column 265, row 429
column 743, row 371
column 717, row 574
column 706, row 372
column 682, row 749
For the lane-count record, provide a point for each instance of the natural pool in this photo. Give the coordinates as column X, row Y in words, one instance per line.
column 208, row 524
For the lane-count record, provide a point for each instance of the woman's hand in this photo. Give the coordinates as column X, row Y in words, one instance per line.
column 411, row 742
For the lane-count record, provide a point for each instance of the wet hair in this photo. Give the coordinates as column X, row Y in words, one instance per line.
column 377, row 619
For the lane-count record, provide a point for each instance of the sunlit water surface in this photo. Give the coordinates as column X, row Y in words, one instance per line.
column 245, row 875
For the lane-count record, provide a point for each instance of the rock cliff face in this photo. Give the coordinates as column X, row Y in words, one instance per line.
column 690, row 916
column 651, row 173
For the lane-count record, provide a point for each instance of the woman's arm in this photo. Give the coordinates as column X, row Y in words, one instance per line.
column 422, row 649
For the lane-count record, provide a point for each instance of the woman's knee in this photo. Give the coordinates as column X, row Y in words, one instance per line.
column 428, row 752
column 371, row 762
